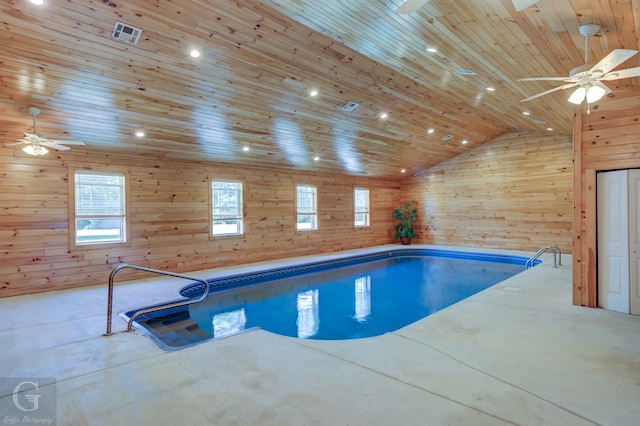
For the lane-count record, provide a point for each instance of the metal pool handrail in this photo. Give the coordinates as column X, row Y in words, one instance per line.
column 153, row 308
column 556, row 251
column 553, row 246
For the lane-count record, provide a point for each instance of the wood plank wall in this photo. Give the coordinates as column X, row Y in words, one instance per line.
column 514, row 192
column 606, row 139
column 170, row 219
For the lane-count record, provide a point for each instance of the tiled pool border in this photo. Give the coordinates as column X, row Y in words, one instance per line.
column 249, row 278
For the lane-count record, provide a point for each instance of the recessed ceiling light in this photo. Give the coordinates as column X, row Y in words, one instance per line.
column 464, row 142
column 432, row 50
column 313, row 93
column 526, row 113
column 194, row 53
column 140, row 134
column 245, row 149
column 383, row 115
column 37, row 2
column 491, row 89
column 403, row 171
column 550, row 129
column 430, row 131
column 316, row 158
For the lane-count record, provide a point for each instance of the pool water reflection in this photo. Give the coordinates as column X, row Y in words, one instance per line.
column 347, row 302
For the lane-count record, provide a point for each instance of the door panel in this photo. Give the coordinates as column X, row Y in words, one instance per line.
column 613, row 241
column 634, row 243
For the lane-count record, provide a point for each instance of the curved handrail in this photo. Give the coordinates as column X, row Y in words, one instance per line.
column 153, row 308
column 554, row 248
column 529, row 262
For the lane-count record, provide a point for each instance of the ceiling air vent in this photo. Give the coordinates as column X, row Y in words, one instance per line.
column 350, row 106
column 539, row 121
column 126, row 33
column 446, row 137
column 465, row 72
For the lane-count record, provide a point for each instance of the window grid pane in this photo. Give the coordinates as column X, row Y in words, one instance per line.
column 227, row 212
column 306, row 207
column 100, row 208
column 306, row 199
column 99, row 194
column 361, row 206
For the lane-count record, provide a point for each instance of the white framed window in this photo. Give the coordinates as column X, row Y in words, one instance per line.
column 306, row 207
column 226, row 207
column 361, row 207
column 99, row 207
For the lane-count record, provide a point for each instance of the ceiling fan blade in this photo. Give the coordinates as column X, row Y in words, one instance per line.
column 65, row 142
column 612, row 60
column 523, row 4
column 22, row 142
column 617, row 75
column 53, row 145
column 410, row 6
column 564, row 86
column 545, row 79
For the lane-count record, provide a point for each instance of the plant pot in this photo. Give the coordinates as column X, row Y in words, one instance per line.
column 405, row 241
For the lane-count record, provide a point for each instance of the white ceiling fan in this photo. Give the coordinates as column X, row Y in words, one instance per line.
column 36, row 143
column 411, row 6
column 589, row 79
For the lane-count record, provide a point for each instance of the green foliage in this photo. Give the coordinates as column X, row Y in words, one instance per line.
column 406, row 216
column 83, row 224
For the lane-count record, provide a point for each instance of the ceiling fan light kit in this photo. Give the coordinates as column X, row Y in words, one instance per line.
column 578, row 96
column 35, row 149
column 595, row 93
column 589, row 79
column 586, row 78
column 591, row 94
column 35, row 143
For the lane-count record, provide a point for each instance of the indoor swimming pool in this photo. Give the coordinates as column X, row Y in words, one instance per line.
column 349, row 298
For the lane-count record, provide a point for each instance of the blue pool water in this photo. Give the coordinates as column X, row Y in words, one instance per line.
column 347, row 299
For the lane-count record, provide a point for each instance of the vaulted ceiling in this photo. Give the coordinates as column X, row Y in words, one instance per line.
column 246, row 99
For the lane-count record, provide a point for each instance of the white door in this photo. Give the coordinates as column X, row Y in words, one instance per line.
column 634, row 239
column 613, row 241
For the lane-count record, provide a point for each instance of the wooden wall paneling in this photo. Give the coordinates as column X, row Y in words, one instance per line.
column 606, row 139
column 514, row 192
column 590, row 234
column 578, row 209
column 169, row 219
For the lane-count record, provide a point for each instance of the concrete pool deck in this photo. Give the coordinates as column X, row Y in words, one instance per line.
column 516, row 353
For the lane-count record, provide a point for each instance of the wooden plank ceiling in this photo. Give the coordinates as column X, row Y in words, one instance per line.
column 250, row 87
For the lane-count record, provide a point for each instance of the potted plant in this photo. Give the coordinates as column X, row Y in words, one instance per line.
column 406, row 217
